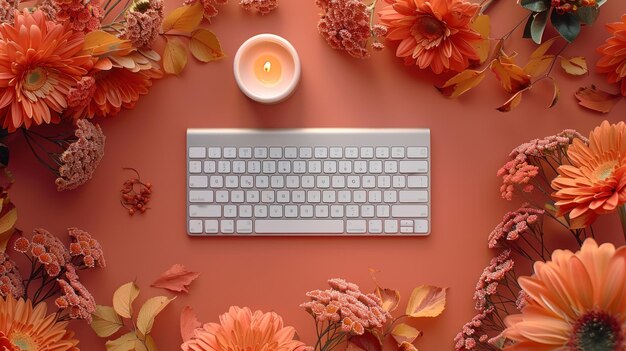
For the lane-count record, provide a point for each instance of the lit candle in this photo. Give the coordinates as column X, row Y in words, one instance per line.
column 267, row 68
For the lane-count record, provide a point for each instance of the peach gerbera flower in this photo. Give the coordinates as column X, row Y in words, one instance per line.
column 28, row 328
column 39, row 63
column 433, row 33
column 613, row 50
column 242, row 330
column 577, row 301
column 595, row 182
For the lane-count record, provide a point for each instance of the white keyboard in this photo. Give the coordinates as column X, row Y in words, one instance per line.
column 308, row 182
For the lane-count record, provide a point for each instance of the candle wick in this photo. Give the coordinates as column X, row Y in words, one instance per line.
column 267, row 67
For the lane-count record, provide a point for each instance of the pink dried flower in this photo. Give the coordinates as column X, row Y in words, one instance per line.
column 516, row 173
column 7, row 10
column 345, row 24
column 210, row 6
column 10, row 279
column 523, row 220
column 81, row 94
column 143, row 23
column 261, row 6
column 472, row 331
column 76, row 298
column 82, row 157
column 22, row 245
column 49, row 251
column 80, row 15
column 491, row 277
column 85, row 247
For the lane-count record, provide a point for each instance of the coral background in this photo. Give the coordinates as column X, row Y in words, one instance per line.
column 470, row 141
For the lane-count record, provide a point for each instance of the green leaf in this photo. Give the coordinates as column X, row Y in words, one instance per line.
column 588, row 14
column 567, row 24
column 600, row 2
column 527, row 34
column 535, row 5
column 538, row 26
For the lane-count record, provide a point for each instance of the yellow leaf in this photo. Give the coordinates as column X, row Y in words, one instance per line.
column 512, row 103
column 537, row 66
column 511, row 76
column 140, row 346
column 185, row 18
column 389, row 297
column 100, row 43
column 543, row 48
column 125, row 342
column 149, row 311
column 205, row 46
column 106, row 321
column 7, row 224
column 482, row 25
column 462, row 83
column 405, row 333
column 123, row 299
column 426, row 301
column 174, row 56
column 576, row 66
column 150, row 344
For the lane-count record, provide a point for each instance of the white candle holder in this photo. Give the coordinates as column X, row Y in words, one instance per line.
column 267, row 68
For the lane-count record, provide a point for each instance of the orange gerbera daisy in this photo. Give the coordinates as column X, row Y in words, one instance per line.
column 240, row 329
column 577, row 301
column 433, row 33
column 30, row 329
column 39, row 62
column 613, row 61
column 595, row 182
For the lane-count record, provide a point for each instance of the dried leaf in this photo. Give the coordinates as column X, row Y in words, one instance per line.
column 101, row 43
column 596, row 99
column 176, row 279
column 106, row 321
column 205, row 46
column 537, row 66
column 184, row 19
column 462, row 83
column 482, row 24
column 511, row 76
column 389, row 297
column 174, row 56
column 125, row 342
column 405, row 333
column 123, row 299
column 512, row 103
column 556, row 95
column 188, row 323
column 576, row 66
column 150, row 344
column 366, row 342
column 426, row 301
column 8, row 218
column 149, row 311
column 543, row 48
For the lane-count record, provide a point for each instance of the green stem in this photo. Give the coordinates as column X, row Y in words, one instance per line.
column 622, row 216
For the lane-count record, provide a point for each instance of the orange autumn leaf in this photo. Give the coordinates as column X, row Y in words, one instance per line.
column 542, row 49
column 596, row 99
column 365, row 342
column 539, row 65
column 482, row 25
column 205, row 46
column 461, row 83
column 556, row 93
column 100, row 43
column 177, row 278
column 576, row 66
column 8, row 218
column 404, row 333
column 389, row 297
column 174, row 56
column 512, row 103
column 426, row 301
column 188, row 323
column 511, row 76
column 184, row 19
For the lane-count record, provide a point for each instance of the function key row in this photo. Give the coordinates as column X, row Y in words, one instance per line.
column 399, row 152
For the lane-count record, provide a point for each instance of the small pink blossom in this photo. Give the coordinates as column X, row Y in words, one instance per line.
column 210, row 6
column 86, row 248
column 75, row 297
column 261, row 6
column 516, row 223
column 143, row 23
column 81, row 94
column 7, row 10
column 79, row 15
column 10, row 278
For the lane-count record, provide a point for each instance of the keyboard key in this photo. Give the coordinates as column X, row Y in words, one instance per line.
column 391, row 226
column 197, row 152
column 375, row 226
column 308, row 182
column 239, row 167
column 323, row 182
column 408, row 211
column 198, row 181
column 355, row 226
column 360, row 196
column 417, row 181
column 223, row 167
column 276, row 211
column 360, row 167
column 217, row 181
column 254, row 167
column 397, row 152
column 330, row 166
column 230, row 152
column 244, row 226
column 293, row 182
column 321, row 211
column 375, row 196
column 390, row 196
column 329, row 196
column 369, row 182
column 315, row 167
column 384, row 182
column 336, row 211
column 221, row 197
column 416, row 152
column 284, row 167
column 195, row 226
column 306, row 211
column 336, row 152
column 195, row 167
column 260, row 211
column 232, row 181
column 298, row 197
column 237, row 196
column 328, row 226
column 210, row 167
column 247, row 182
column 413, row 196
column 200, row 196
column 215, row 152
column 354, row 182
column 367, row 211
column 245, row 211
column 245, row 152
column 262, row 181
column 206, row 211
column 382, row 152
column 276, row 152
column 352, row 211
column 283, row 196
column 313, row 196
column 306, row 152
column 253, row 196
column 321, row 152
column 367, row 152
column 277, row 182
column 211, row 226
column 345, row 167
column 413, row 166
column 260, row 152
column 399, row 181
column 344, row 196
column 406, row 229
column 228, row 226
column 338, row 182
column 421, row 226
column 269, row 167
column 267, row 196
column 352, row 152
column 291, row 152
column 376, row 167
column 299, row 167
column 382, row 211
column 291, row 211
column 391, row 166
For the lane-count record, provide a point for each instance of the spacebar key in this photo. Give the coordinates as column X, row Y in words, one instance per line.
column 298, row 227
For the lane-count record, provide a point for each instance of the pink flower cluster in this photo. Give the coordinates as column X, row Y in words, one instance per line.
column 86, row 248
column 344, row 303
column 7, row 10
column 472, row 333
column 10, row 278
column 46, row 248
column 80, row 159
column 490, row 279
column 514, row 224
column 80, row 15
column 345, row 24
column 75, row 298
column 80, row 95
column 210, row 6
column 261, row 6
column 521, row 168
column 143, row 23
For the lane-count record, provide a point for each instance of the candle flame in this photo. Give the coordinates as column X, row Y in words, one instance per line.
column 267, row 66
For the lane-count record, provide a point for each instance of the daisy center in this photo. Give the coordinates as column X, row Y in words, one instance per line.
column 597, row 331
column 428, row 27
column 605, row 170
column 24, row 342
column 35, row 79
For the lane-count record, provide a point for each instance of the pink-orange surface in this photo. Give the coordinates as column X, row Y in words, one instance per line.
column 470, row 141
